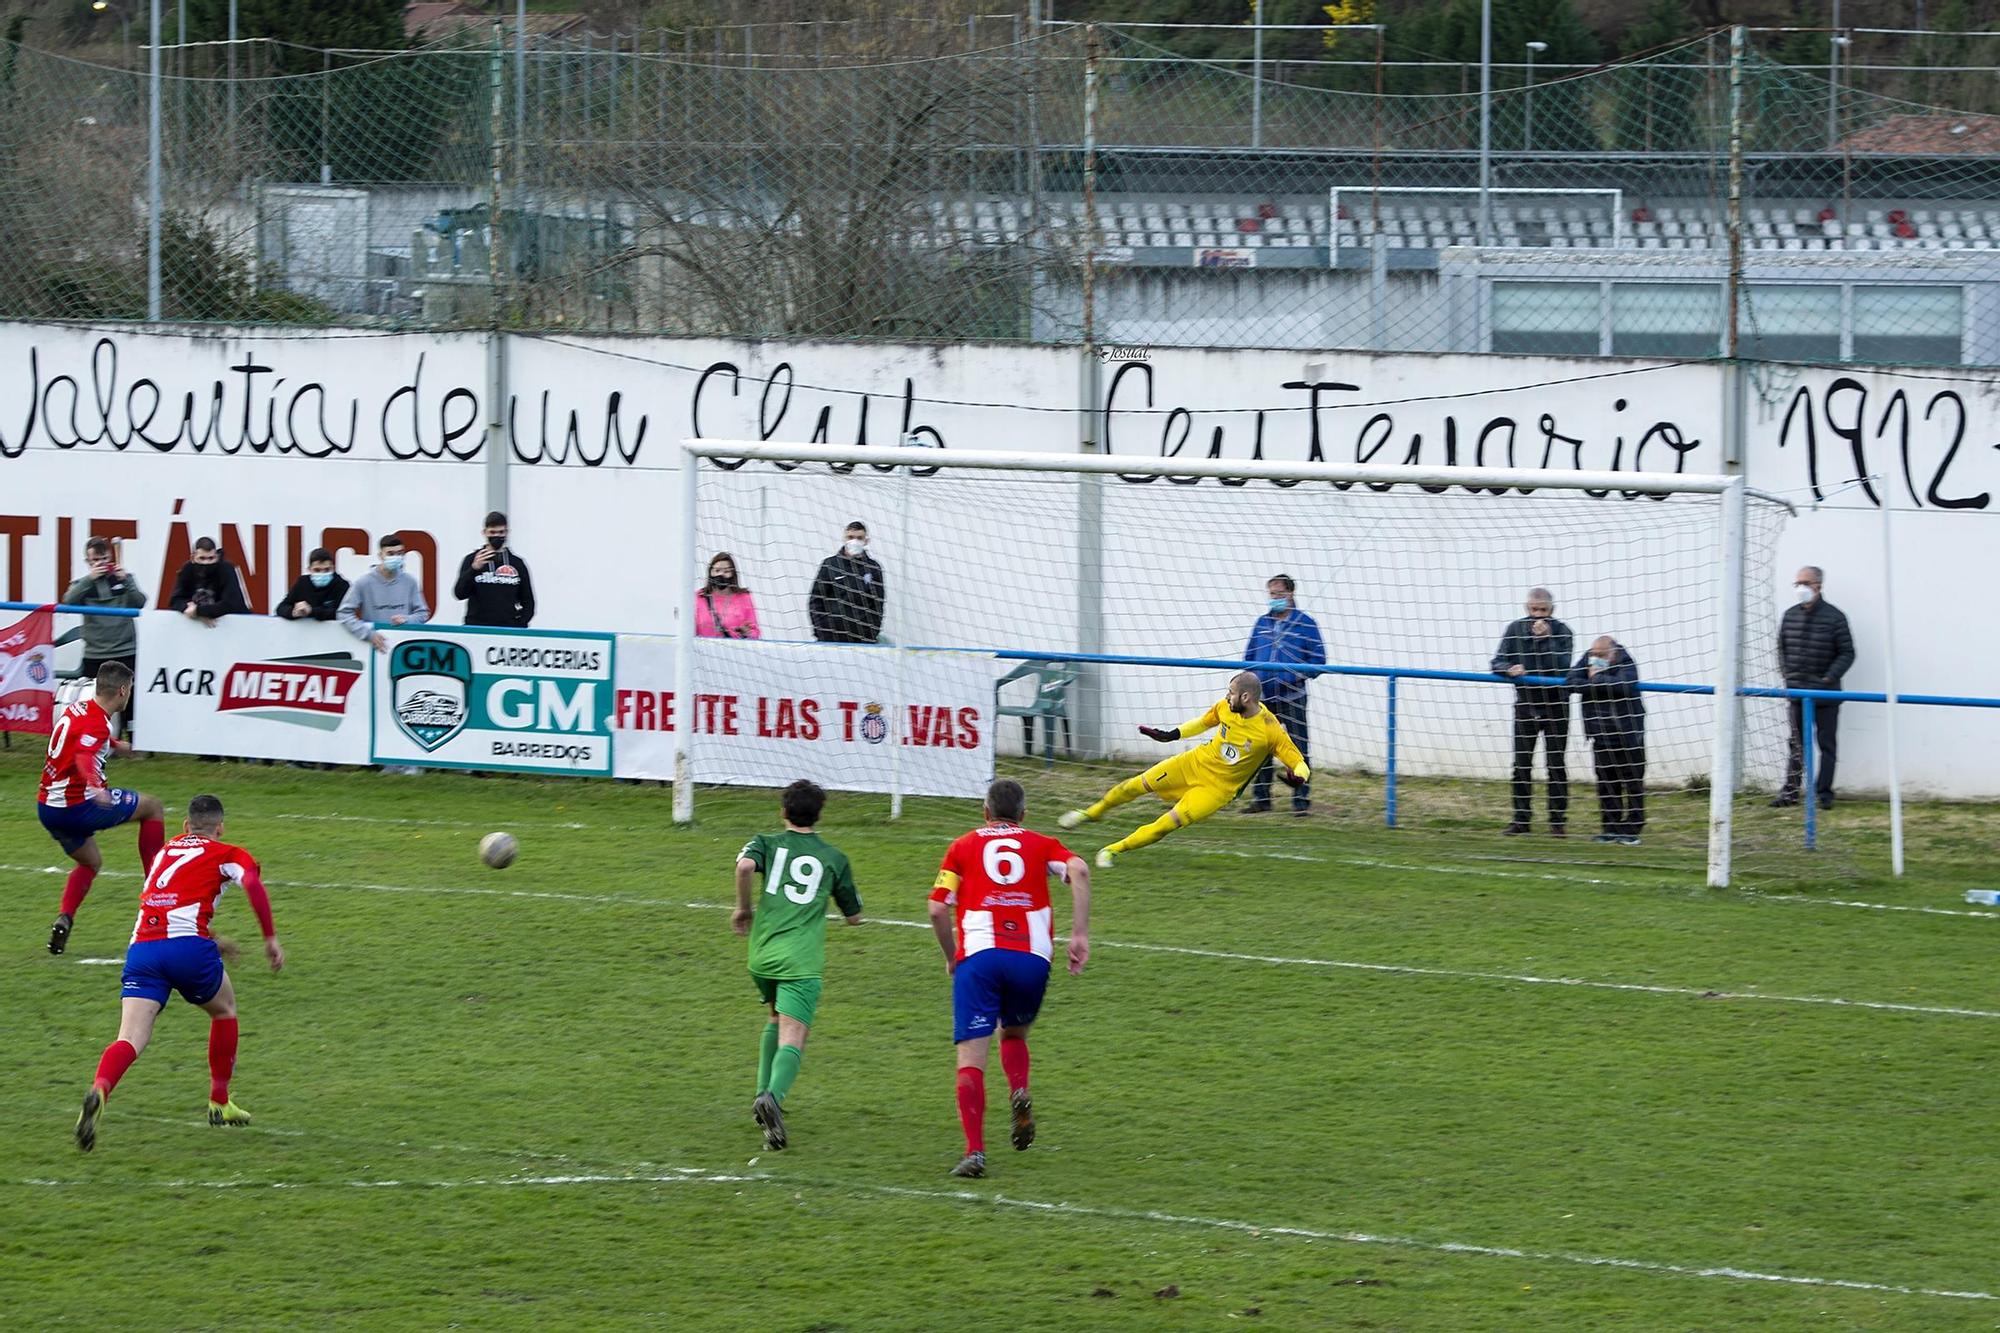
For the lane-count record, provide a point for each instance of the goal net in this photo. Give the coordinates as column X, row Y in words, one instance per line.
column 1089, row 603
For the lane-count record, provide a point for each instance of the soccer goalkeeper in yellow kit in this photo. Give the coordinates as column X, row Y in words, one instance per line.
column 1199, row 782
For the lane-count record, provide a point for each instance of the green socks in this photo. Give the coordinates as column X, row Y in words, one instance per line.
column 785, row 1070
column 764, row 1056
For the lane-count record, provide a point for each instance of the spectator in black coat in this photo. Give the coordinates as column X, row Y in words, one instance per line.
column 1539, row 645
column 1614, row 717
column 208, row 587
column 317, row 593
column 848, row 593
column 493, row 581
column 1815, row 649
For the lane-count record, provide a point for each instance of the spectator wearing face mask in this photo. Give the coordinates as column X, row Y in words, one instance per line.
column 104, row 583
column 387, row 595
column 1284, row 636
column 317, row 593
column 848, row 594
column 1815, row 649
column 208, row 586
column 493, row 581
column 1606, row 679
column 723, row 608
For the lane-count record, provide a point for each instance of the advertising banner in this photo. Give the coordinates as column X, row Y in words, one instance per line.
column 767, row 713
column 28, row 673
column 253, row 687
column 520, row 701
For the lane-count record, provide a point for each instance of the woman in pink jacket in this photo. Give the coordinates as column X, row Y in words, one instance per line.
column 723, row 608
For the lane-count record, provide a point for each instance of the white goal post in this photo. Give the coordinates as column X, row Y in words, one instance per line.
column 814, row 486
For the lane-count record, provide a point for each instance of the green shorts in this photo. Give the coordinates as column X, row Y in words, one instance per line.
column 796, row 998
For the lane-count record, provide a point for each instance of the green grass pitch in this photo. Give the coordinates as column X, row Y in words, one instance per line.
column 1316, row 1076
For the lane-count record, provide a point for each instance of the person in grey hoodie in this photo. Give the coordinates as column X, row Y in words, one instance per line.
column 386, row 595
column 107, row 638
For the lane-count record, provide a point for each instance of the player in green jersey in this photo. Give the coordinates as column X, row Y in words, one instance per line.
column 787, row 930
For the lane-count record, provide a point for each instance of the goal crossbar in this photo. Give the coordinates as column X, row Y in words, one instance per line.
column 1253, row 469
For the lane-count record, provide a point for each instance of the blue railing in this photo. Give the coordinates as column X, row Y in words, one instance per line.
column 1391, row 675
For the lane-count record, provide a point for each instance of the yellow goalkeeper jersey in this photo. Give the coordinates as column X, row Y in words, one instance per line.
column 1239, row 747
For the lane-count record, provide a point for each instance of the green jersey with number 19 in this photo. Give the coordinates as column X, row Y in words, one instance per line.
column 788, row 932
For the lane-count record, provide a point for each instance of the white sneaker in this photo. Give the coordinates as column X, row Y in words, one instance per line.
column 1105, row 859
column 1072, row 819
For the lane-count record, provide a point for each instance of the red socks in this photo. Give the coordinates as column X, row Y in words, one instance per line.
column 117, row 1058
column 1014, row 1059
column 75, row 888
column 972, row 1107
column 221, row 1058
column 152, row 837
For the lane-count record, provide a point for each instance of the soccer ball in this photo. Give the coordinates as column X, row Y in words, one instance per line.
column 498, row 850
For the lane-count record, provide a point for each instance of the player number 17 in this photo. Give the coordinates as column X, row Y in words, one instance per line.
column 802, row 886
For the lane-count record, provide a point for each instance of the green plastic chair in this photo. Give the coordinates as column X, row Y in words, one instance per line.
column 1050, row 704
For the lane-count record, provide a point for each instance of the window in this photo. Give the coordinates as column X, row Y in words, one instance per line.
column 1790, row 323
column 1909, row 325
column 1547, row 318
column 1672, row 319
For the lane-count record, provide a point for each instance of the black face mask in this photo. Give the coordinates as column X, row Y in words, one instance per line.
column 721, row 581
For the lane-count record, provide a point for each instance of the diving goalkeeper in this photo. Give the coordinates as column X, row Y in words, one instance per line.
column 1199, row 782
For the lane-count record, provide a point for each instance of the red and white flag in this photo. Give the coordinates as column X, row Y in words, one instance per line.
column 28, row 673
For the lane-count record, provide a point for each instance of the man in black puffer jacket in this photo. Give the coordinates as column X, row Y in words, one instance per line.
column 1815, row 650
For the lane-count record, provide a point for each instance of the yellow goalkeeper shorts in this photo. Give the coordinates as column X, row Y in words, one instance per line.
column 1193, row 793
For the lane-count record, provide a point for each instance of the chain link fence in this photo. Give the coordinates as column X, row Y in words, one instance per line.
column 973, row 181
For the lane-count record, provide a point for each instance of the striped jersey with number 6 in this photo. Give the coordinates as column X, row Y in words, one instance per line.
column 186, row 879
column 997, row 880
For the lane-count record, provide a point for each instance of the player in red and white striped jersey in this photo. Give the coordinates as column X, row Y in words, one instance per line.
column 75, row 804
column 991, row 911
column 172, row 950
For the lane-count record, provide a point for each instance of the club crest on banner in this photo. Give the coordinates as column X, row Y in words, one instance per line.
column 432, row 684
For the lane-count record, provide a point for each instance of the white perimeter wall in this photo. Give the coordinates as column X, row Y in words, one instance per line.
column 337, row 437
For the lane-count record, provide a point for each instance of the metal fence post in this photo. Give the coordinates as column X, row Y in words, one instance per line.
column 1090, row 237
column 1389, row 763
column 153, row 204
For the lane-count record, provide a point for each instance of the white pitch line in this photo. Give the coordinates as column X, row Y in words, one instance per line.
column 699, row 1176
column 1223, row 955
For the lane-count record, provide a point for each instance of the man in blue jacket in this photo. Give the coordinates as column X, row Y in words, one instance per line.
column 1614, row 717
column 1282, row 636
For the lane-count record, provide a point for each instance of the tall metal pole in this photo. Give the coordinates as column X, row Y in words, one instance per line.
column 1737, row 41
column 1528, row 102
column 1256, row 73
column 326, row 118
column 520, row 84
column 496, row 159
column 232, row 83
column 1834, row 42
column 153, row 170
column 1485, row 122
column 1090, row 236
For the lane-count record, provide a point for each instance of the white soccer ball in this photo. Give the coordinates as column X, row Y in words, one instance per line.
column 498, row 850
